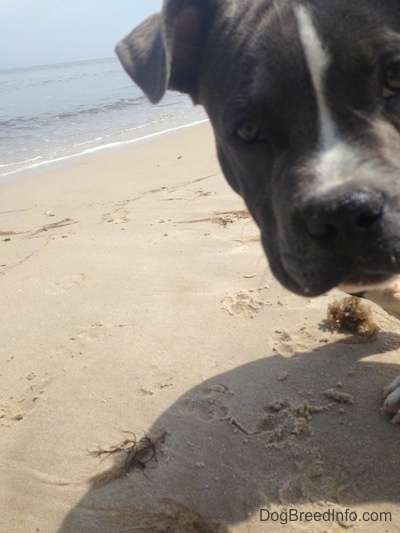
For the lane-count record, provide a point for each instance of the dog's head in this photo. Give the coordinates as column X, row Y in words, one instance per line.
column 304, row 99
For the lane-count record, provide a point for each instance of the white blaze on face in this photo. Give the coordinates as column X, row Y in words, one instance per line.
column 335, row 160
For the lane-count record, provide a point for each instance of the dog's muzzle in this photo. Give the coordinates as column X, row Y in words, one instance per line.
column 341, row 238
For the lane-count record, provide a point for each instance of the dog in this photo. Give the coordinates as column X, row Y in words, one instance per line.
column 304, row 100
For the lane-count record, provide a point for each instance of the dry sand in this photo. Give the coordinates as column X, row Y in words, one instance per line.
column 138, row 313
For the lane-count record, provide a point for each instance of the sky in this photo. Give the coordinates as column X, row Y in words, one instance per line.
column 45, row 32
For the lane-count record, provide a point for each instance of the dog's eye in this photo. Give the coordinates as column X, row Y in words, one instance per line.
column 392, row 80
column 248, row 131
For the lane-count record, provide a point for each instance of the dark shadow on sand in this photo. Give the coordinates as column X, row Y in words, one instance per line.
column 260, row 434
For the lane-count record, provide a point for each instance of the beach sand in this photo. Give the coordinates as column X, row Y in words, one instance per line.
column 139, row 315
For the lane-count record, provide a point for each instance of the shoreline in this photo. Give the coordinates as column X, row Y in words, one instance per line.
column 47, row 163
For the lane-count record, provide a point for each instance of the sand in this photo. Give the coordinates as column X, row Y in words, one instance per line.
column 154, row 375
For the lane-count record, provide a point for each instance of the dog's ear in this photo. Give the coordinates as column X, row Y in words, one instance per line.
column 164, row 52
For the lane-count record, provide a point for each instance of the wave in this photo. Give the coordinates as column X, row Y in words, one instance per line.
column 25, row 163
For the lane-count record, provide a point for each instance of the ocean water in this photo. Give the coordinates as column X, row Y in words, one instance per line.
column 52, row 112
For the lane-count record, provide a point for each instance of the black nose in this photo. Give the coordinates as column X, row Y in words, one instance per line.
column 344, row 216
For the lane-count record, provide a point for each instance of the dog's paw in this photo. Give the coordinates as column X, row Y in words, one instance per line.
column 388, row 297
column 391, row 404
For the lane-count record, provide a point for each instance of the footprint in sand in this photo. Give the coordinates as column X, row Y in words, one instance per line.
column 222, row 219
column 185, row 194
column 118, row 215
column 283, row 343
column 96, row 331
column 89, row 333
column 287, row 343
column 15, row 409
column 67, row 283
column 283, row 422
column 210, row 403
column 243, row 303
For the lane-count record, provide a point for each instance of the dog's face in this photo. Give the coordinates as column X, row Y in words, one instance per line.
column 304, row 99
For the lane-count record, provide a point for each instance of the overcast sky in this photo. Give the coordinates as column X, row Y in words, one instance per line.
column 43, row 32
